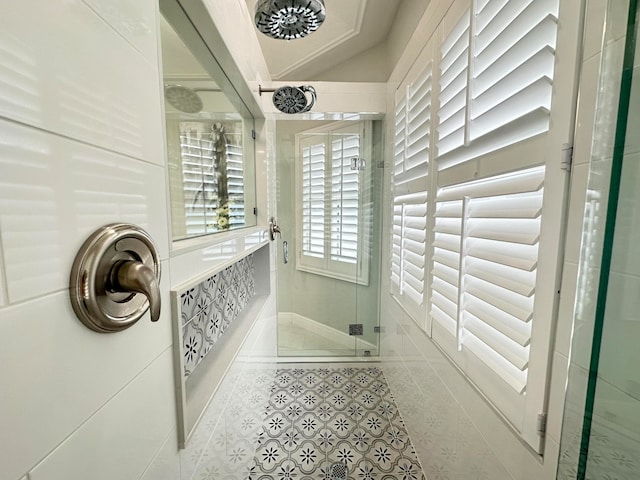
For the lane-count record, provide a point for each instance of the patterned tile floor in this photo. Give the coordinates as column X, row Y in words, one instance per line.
column 317, row 417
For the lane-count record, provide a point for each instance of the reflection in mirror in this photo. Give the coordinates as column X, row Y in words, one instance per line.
column 209, row 144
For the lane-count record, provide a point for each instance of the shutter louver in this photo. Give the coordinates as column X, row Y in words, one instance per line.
column 409, row 237
column 511, row 79
column 334, row 190
column 199, row 180
column 513, row 65
column 411, row 168
column 446, row 263
column 345, row 194
column 400, row 138
column 313, row 171
column 454, row 71
column 496, row 229
column 418, row 125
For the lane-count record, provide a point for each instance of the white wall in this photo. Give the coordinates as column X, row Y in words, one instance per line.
column 81, row 147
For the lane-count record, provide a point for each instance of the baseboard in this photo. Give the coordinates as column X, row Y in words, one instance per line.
column 340, row 338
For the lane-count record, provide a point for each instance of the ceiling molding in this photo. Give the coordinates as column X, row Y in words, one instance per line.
column 353, row 32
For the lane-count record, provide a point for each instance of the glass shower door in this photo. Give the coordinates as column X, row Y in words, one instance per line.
column 610, row 439
column 325, row 210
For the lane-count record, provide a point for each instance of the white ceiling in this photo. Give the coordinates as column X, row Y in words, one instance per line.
column 352, row 31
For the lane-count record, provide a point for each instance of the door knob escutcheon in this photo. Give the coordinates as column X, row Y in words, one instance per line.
column 115, row 278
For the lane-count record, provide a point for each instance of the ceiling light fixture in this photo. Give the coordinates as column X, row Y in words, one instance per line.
column 289, row 19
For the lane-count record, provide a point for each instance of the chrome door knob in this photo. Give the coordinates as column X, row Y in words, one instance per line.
column 115, row 278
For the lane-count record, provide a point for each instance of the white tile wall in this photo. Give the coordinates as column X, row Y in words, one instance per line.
column 3, row 283
column 595, row 15
column 65, row 70
column 632, row 143
column 566, row 309
column 586, row 108
column 579, row 182
column 122, row 437
column 240, row 38
column 56, row 192
column 559, row 370
column 190, row 264
column 81, row 145
column 135, row 21
column 166, row 465
column 60, row 373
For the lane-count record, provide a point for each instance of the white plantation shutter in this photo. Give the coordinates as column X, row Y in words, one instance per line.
column 484, row 278
column 411, row 168
column 332, row 232
column 446, row 263
column 454, row 73
column 502, row 113
column 235, row 177
column 400, row 137
column 345, row 196
column 409, row 236
column 312, row 193
column 508, row 71
column 200, row 187
column 418, row 126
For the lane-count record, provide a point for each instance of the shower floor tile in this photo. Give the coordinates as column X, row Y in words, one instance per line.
column 320, row 416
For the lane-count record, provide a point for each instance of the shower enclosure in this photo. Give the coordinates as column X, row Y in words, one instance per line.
column 329, row 199
column 601, row 427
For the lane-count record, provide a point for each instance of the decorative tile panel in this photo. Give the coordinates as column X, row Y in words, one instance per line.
column 207, row 309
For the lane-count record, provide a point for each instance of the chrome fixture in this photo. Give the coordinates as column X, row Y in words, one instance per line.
column 289, row 19
column 115, row 278
column 186, row 99
column 285, row 251
column 182, row 98
column 289, row 99
column 273, row 229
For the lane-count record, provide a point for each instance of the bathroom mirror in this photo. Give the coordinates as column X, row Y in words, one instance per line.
column 210, row 146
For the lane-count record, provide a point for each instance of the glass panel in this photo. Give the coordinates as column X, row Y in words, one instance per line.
column 209, row 143
column 600, row 437
column 614, row 437
column 368, row 295
column 325, row 202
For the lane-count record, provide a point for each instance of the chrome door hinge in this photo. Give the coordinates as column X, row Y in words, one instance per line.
column 567, row 157
column 541, row 425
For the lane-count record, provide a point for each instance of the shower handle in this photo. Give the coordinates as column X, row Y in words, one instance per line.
column 115, row 278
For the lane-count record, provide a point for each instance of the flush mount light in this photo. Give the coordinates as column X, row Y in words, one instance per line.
column 289, row 19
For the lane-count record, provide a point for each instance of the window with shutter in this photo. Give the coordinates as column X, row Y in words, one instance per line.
column 454, row 73
column 332, row 187
column 409, row 250
column 212, row 202
column 313, row 179
column 484, row 278
column 345, row 196
column 410, row 175
column 496, row 91
column 494, row 197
